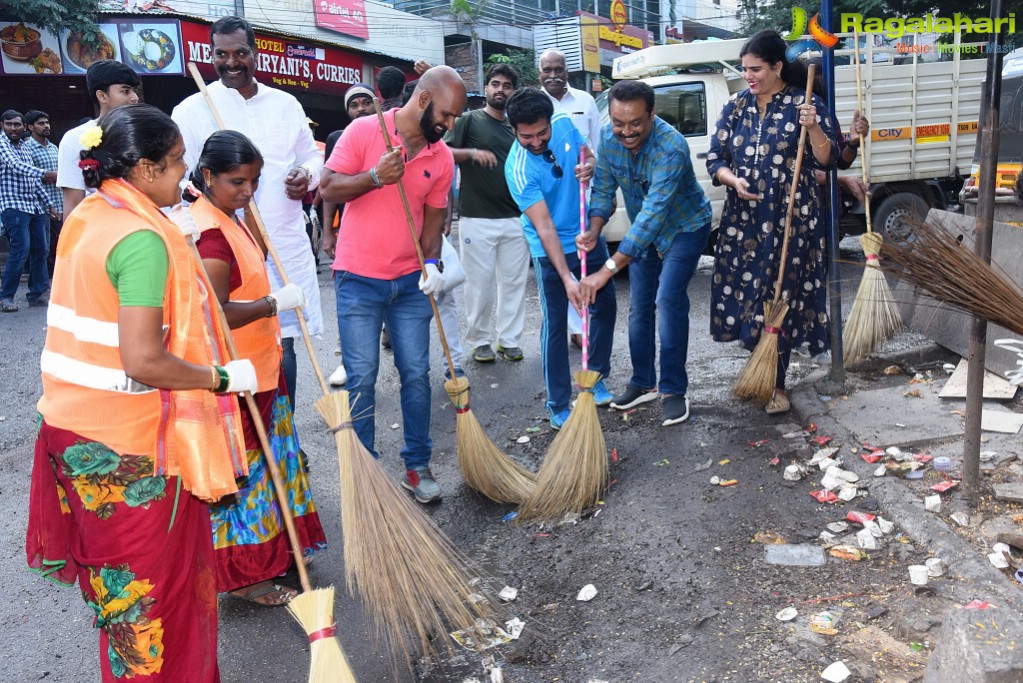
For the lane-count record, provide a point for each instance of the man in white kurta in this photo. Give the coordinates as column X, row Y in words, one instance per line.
column 276, row 123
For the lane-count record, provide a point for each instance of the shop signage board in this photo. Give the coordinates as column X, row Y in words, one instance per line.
column 280, row 62
column 342, row 16
column 28, row 50
column 621, row 40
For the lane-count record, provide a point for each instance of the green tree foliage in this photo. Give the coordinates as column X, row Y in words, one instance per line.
column 70, row 15
column 524, row 63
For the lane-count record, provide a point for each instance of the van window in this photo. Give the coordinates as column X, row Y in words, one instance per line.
column 684, row 106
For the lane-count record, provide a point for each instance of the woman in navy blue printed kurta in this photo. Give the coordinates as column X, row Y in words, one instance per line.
column 753, row 153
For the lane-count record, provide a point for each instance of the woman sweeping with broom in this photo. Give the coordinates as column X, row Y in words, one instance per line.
column 137, row 429
column 251, row 546
column 753, row 155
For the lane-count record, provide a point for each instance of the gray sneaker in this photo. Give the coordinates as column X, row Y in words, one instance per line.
column 510, row 353
column 632, row 397
column 674, row 409
column 483, row 354
column 423, row 486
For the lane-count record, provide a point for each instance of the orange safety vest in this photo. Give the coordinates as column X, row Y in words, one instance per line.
column 260, row 340
column 195, row 433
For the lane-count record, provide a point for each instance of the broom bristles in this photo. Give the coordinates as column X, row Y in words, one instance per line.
column 875, row 316
column 485, row 468
column 314, row 610
column 759, row 378
column 575, row 471
column 414, row 583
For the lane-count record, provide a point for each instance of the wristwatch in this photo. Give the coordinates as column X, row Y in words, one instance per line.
column 612, row 266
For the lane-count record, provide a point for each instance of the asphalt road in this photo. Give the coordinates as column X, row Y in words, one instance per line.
column 670, row 555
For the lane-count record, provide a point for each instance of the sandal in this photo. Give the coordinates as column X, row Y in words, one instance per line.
column 778, row 404
column 8, row 306
column 266, row 594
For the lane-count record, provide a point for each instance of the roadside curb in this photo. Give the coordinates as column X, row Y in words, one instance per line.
column 900, row 505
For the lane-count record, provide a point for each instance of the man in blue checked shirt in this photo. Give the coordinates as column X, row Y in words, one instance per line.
column 25, row 211
column 544, row 175
column 649, row 160
column 44, row 155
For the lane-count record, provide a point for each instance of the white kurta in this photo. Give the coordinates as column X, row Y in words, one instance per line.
column 276, row 123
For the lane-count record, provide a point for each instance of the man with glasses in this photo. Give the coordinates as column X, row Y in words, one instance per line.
column 649, row 160
column 494, row 252
column 539, row 174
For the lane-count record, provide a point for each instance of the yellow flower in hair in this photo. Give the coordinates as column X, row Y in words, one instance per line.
column 92, row 137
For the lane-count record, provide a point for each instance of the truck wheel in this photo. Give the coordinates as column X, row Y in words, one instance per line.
column 892, row 219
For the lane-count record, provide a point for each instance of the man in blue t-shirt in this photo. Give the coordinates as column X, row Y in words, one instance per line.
column 547, row 147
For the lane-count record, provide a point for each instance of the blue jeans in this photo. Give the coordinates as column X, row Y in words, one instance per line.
column 659, row 284
column 363, row 305
column 554, row 331
column 29, row 234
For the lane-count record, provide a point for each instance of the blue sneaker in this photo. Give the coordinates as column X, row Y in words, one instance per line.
column 601, row 396
column 423, row 486
column 558, row 421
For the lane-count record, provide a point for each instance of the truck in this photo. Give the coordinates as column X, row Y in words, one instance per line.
column 924, row 118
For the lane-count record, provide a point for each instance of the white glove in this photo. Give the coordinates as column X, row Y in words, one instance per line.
column 289, row 297
column 434, row 282
column 182, row 217
column 241, row 377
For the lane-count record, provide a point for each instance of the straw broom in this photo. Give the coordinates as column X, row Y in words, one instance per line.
column 575, row 471
column 875, row 317
column 757, row 381
column 951, row 273
column 421, row 581
column 484, row 467
column 313, row 609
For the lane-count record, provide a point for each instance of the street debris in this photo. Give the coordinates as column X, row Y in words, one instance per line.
column 787, row 614
column 836, row 672
column 847, row 552
column 793, row 472
column 935, row 566
column 510, row 516
column 823, row 623
column 932, row 503
column 979, row 604
column 522, row 439
column 587, row 593
column 486, row 634
column 824, row 496
column 892, row 370
column 961, row 518
column 704, row 466
column 662, row 462
column 913, row 393
column 795, row 555
column 918, row 574
column 508, row 593
column 769, row 538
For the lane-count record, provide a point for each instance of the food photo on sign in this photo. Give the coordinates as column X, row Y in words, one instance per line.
column 152, row 47
column 29, row 49
column 80, row 51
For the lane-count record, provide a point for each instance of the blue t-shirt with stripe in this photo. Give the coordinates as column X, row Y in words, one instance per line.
column 531, row 180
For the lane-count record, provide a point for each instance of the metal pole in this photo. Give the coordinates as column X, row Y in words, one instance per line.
column 982, row 247
column 837, row 373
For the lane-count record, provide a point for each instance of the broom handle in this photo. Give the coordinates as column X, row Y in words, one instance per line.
column 415, row 240
column 254, row 210
column 863, row 141
column 257, row 421
column 582, row 266
column 792, row 190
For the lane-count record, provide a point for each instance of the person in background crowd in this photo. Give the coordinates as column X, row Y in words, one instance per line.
column 582, row 108
column 44, row 155
column 111, row 84
column 121, row 504
column 755, row 162
column 649, row 160
column 358, row 103
column 494, row 251
column 378, row 274
column 276, row 123
column 390, row 83
column 547, row 144
column 248, row 533
column 25, row 211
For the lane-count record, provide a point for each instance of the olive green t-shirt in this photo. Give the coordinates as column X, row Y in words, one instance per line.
column 137, row 267
column 483, row 192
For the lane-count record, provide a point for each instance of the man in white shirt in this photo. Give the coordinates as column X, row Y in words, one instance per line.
column 111, row 84
column 582, row 109
column 276, row 123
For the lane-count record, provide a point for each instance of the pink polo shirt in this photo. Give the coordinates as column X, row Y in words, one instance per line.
column 374, row 239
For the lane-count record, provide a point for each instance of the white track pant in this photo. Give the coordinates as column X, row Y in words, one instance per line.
column 495, row 257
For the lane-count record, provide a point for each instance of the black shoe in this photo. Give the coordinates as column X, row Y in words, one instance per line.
column 483, row 354
column 632, row 397
column 674, row 409
column 509, row 353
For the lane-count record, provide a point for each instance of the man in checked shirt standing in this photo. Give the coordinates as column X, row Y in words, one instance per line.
column 649, row 160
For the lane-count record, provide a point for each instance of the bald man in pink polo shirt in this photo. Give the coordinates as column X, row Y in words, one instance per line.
column 378, row 277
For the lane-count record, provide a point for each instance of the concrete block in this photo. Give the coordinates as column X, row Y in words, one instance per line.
column 949, row 327
column 885, row 417
column 1011, row 492
column 979, row 646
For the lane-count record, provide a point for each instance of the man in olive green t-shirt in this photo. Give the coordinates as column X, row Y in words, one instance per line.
column 494, row 253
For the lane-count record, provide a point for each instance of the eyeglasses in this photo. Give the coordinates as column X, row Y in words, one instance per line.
column 548, row 156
